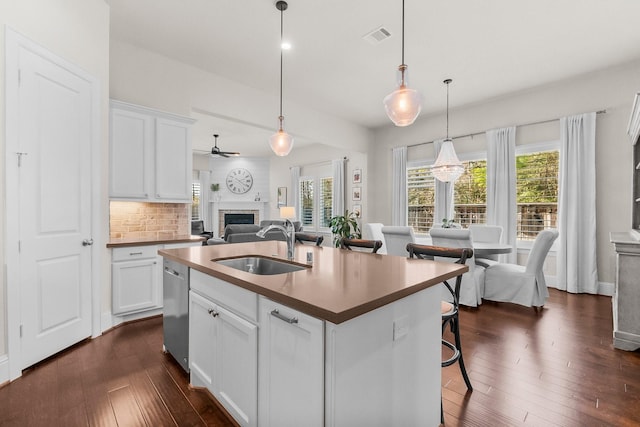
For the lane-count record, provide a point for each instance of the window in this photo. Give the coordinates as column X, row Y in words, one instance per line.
column 316, row 206
column 326, row 202
column 537, row 168
column 537, row 192
column 470, row 194
column 306, row 202
column 195, row 200
column 421, row 198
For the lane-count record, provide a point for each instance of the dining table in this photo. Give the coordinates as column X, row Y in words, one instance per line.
column 480, row 249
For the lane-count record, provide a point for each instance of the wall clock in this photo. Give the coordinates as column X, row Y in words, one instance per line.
column 239, row 180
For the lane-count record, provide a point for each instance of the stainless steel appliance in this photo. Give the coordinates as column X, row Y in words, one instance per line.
column 175, row 286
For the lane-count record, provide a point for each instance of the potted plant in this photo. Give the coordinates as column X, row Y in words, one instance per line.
column 215, row 187
column 344, row 226
column 449, row 223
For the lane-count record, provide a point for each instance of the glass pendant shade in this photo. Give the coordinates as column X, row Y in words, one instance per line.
column 403, row 105
column 447, row 167
column 281, row 142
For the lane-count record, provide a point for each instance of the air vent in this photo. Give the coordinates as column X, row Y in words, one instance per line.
column 377, row 36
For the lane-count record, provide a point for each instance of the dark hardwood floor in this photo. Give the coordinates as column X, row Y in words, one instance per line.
column 557, row 367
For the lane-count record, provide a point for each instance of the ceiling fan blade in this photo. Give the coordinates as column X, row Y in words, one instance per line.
column 231, row 153
column 223, row 154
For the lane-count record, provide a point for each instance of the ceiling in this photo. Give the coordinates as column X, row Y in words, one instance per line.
column 489, row 49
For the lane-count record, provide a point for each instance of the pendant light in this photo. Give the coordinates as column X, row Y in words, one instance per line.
column 403, row 104
column 281, row 142
column 447, row 167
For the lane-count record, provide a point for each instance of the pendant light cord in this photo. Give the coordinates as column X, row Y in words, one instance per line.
column 447, row 110
column 447, row 81
column 402, row 32
column 281, row 59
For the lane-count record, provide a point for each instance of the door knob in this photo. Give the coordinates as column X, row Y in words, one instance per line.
column 87, row 242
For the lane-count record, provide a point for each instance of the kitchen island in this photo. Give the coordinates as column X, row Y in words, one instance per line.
column 352, row 339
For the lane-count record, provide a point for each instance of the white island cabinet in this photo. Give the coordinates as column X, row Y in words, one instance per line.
column 291, row 367
column 353, row 339
column 265, row 359
column 223, row 345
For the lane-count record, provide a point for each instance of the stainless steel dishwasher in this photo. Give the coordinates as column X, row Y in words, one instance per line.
column 175, row 317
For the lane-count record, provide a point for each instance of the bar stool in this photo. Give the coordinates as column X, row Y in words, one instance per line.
column 347, row 244
column 449, row 310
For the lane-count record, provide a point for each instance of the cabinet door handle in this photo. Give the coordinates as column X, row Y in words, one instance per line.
column 213, row 313
column 291, row 320
column 135, row 253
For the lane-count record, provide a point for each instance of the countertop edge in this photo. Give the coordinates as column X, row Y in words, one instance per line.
column 148, row 242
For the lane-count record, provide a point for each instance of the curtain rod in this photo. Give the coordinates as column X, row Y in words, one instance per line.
column 326, row 162
column 480, row 133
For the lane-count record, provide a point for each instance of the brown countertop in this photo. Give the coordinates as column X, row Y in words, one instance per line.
column 339, row 286
column 144, row 241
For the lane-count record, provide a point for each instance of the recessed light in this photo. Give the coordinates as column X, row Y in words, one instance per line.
column 285, row 45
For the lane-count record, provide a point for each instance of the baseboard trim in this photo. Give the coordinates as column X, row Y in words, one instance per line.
column 110, row 321
column 4, row 370
column 604, row 288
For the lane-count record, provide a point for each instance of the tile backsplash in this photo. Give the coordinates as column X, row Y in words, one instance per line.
column 148, row 220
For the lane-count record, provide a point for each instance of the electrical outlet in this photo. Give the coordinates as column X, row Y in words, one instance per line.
column 400, row 327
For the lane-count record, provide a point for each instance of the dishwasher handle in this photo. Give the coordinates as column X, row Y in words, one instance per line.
column 171, row 271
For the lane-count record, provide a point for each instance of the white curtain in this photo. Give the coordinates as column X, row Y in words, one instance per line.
column 577, row 268
column 338, row 186
column 204, row 210
column 501, row 186
column 399, row 186
column 443, row 194
column 295, row 190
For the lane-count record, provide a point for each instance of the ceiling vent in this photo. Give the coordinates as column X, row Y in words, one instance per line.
column 377, row 36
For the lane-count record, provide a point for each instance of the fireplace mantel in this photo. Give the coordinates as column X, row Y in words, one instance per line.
column 237, row 206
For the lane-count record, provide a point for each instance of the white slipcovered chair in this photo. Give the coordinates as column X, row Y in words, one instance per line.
column 396, row 238
column 472, row 285
column 521, row 284
column 488, row 234
column 373, row 231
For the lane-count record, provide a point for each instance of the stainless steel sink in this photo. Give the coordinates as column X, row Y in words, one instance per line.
column 260, row 265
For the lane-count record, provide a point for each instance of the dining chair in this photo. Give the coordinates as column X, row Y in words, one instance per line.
column 308, row 237
column 449, row 310
column 396, row 238
column 347, row 244
column 373, row 231
column 521, row 284
column 486, row 233
column 473, row 281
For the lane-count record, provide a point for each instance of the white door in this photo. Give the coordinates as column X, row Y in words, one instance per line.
column 54, row 133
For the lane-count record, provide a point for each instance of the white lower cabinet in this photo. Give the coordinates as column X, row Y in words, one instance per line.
column 135, row 279
column 223, row 357
column 290, row 366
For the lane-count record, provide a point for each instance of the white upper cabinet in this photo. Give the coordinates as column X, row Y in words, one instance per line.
column 150, row 155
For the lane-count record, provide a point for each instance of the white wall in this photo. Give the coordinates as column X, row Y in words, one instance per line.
column 312, row 155
column 78, row 31
column 145, row 78
column 612, row 89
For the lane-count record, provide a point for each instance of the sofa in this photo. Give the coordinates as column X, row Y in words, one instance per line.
column 237, row 233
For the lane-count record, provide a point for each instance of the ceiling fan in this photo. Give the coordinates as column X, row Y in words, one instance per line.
column 215, row 151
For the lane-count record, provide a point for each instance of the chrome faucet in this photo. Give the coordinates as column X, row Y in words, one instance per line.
column 289, row 235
